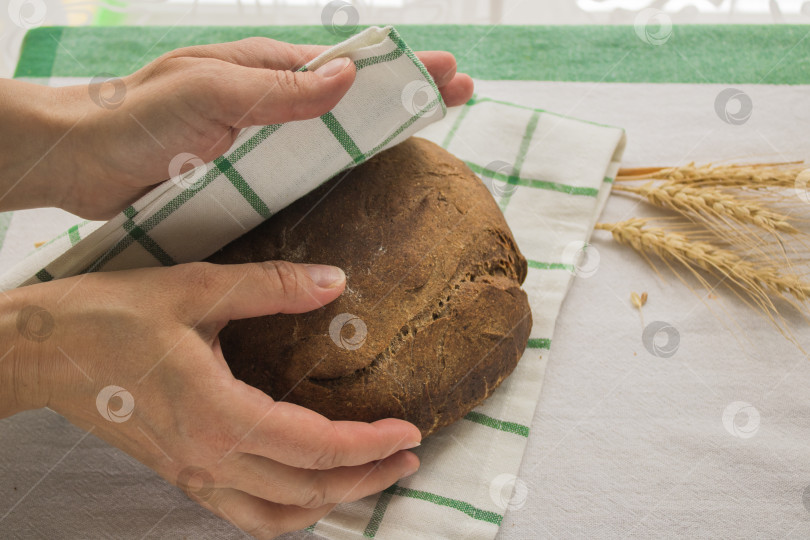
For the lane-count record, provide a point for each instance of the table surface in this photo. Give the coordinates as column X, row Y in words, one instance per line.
column 623, row 443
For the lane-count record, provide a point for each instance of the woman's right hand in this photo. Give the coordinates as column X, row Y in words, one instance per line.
column 134, row 357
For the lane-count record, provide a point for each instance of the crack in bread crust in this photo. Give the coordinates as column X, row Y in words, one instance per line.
column 496, row 267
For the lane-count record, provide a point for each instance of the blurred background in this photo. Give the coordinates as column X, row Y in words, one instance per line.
column 23, row 14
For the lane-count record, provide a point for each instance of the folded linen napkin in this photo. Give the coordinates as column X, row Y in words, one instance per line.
column 268, row 167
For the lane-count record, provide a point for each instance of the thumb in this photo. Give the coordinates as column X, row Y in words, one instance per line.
column 267, row 96
column 238, row 291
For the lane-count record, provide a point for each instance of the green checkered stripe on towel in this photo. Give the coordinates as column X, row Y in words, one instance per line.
column 268, row 167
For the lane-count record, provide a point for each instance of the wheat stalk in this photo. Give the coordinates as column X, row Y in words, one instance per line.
column 757, row 281
column 746, row 176
column 711, row 203
column 723, row 212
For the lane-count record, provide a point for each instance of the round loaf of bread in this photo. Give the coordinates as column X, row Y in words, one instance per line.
column 433, row 317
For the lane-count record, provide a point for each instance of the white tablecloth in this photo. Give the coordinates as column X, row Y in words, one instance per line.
column 628, row 445
column 623, row 443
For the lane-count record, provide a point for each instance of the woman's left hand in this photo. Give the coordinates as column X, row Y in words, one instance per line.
column 94, row 150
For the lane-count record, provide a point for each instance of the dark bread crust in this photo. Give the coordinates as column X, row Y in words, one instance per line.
column 432, row 270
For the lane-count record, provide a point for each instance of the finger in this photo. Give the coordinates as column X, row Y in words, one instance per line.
column 299, row 437
column 277, row 95
column 255, row 52
column 263, row 52
column 258, row 517
column 283, row 484
column 440, row 64
column 455, row 88
column 238, row 291
column 252, row 96
column 458, row 91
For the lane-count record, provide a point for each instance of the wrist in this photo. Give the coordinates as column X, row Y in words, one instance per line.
column 25, row 329
column 35, row 127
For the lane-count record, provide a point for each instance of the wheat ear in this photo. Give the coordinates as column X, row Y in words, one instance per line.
column 746, row 176
column 757, row 281
column 712, row 203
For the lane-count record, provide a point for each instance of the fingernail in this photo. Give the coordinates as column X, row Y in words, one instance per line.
column 408, row 446
column 325, row 276
column 333, row 67
column 410, row 471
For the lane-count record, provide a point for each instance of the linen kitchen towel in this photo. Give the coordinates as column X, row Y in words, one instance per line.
column 194, row 214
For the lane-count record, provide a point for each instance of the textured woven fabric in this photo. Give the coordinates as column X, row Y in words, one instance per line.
column 551, row 176
column 268, row 167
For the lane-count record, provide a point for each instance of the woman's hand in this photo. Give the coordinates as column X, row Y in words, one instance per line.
column 95, row 150
column 134, row 357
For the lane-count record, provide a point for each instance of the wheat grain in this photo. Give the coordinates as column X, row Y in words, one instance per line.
column 638, row 302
